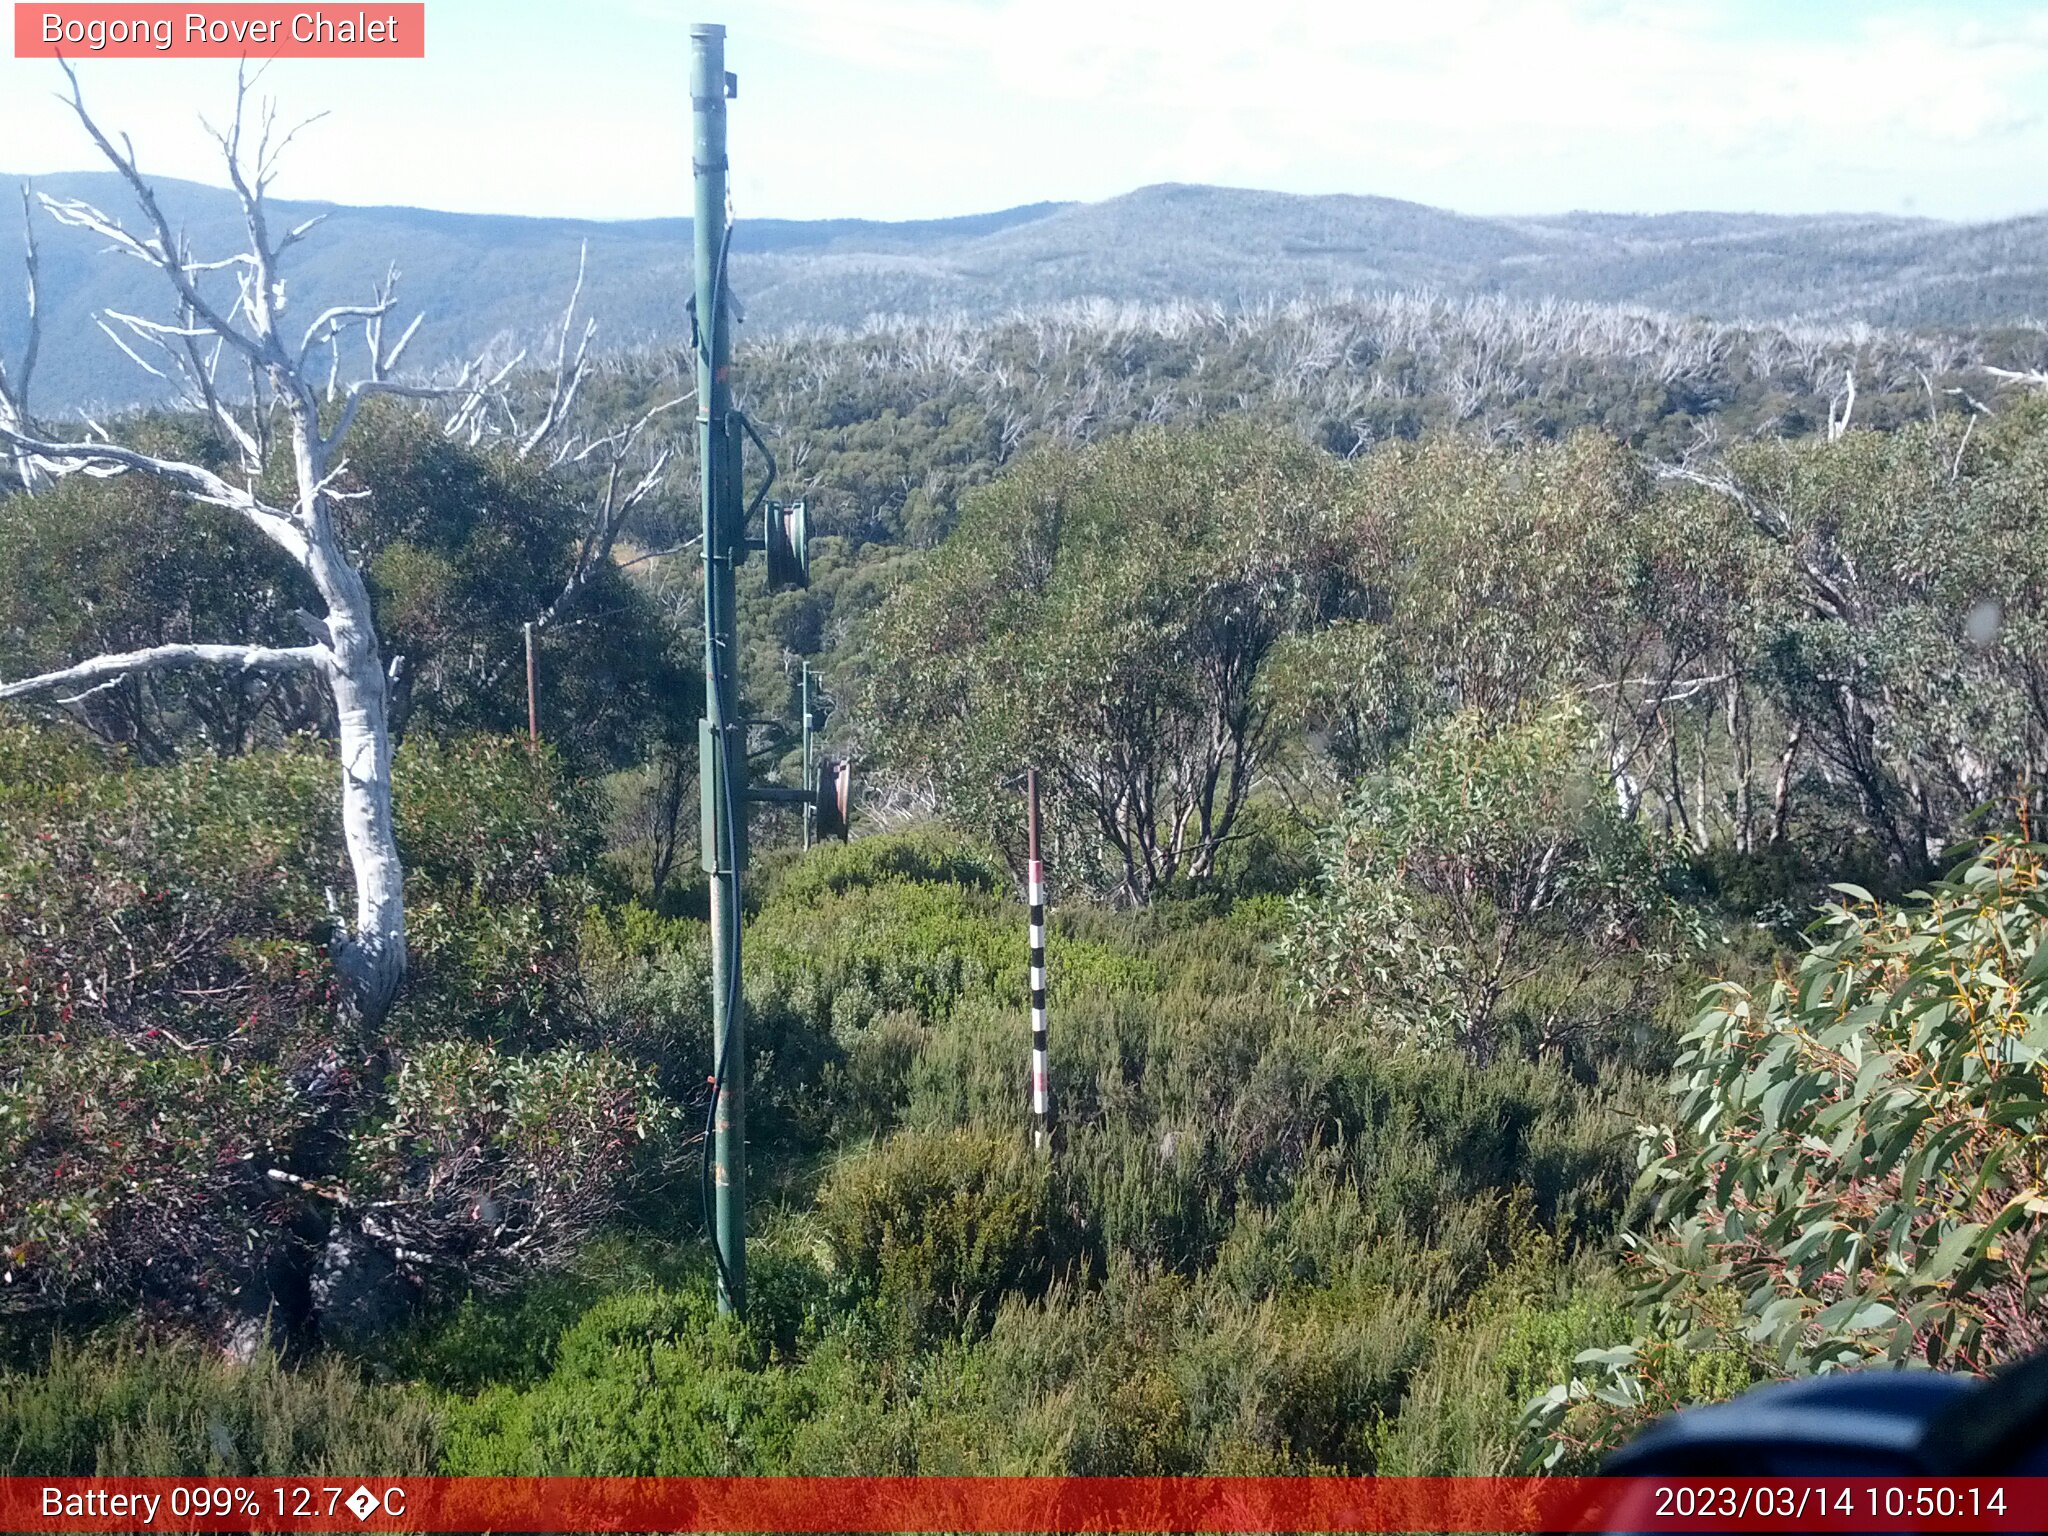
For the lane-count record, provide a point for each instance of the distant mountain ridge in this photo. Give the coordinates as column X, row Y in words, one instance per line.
column 483, row 276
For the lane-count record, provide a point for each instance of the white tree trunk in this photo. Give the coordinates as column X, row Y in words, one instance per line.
column 370, row 952
column 371, row 956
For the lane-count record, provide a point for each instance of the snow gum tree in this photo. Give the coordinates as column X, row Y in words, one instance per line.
column 237, row 359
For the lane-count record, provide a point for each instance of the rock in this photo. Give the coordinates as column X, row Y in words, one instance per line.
column 247, row 1335
column 359, row 1293
column 268, row 1303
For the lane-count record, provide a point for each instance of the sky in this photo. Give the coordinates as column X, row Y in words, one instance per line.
column 897, row 109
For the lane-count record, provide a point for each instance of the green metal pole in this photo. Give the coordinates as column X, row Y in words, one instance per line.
column 723, row 776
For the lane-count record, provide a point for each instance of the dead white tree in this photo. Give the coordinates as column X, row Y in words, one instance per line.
column 2034, row 378
column 624, row 468
column 249, row 332
column 14, row 411
column 1845, row 399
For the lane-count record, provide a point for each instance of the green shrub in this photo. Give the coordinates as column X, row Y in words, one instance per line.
column 1465, row 1410
column 1611, row 1393
column 1272, row 854
column 646, row 983
column 1487, row 857
column 170, row 1024
column 1105, row 612
column 848, row 957
column 166, row 1001
column 1179, row 1110
column 822, row 975
column 1855, row 1172
column 644, row 1386
column 497, row 842
column 914, row 858
column 1858, row 1151
column 871, row 1083
column 1164, row 1374
column 135, row 1176
column 937, row 1227
column 500, row 1163
column 121, row 1406
column 187, row 898
column 484, row 1340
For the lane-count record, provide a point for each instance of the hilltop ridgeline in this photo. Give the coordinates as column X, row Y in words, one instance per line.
column 480, row 277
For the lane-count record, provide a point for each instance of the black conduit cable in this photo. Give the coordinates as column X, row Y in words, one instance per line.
column 704, row 326
column 732, row 1002
column 768, row 484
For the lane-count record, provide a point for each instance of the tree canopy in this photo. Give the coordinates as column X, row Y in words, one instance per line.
column 1104, row 615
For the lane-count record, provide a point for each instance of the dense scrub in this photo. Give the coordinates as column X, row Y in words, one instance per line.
column 889, row 428
column 1850, row 1171
column 180, row 1123
column 1288, row 1227
column 1427, row 789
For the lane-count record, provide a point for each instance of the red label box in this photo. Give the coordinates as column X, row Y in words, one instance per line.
column 1134, row 1506
column 265, row 31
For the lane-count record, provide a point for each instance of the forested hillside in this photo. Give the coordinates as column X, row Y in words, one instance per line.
column 1485, row 741
column 485, row 278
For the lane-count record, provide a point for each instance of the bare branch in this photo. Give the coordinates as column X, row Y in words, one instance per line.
column 253, row 440
column 133, row 356
column 612, row 510
column 1773, row 524
column 383, row 361
column 300, row 230
column 1674, row 690
column 1955, row 468
column 14, row 390
column 660, row 554
column 363, row 389
column 162, row 252
column 329, row 322
column 2038, row 378
column 1767, row 519
column 469, row 418
column 266, row 170
column 1837, row 425
column 155, row 327
column 203, row 485
column 166, row 658
column 569, row 373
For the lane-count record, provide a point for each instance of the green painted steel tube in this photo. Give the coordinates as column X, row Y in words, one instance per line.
column 715, row 459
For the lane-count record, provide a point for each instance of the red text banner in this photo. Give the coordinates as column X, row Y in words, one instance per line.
column 1023, row 1504
column 233, row 31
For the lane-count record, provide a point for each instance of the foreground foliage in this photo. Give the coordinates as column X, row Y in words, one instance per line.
column 1862, row 1152
column 1855, row 1170
column 1432, row 786
column 1259, row 1238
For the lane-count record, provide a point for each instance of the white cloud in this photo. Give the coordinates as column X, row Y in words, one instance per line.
column 896, row 108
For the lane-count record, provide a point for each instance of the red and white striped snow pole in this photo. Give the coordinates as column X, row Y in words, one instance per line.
column 1041, row 1095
